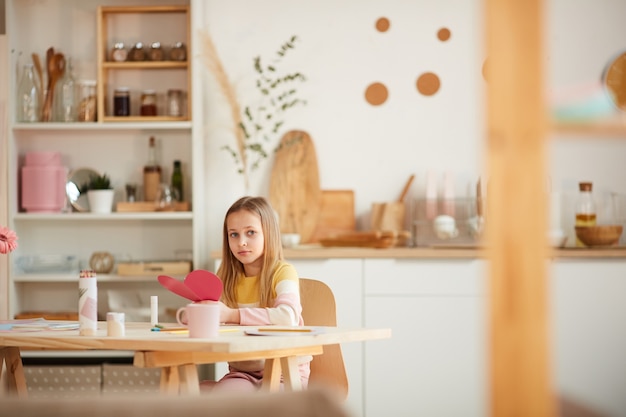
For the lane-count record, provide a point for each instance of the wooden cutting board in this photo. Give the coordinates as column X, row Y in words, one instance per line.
column 336, row 214
column 295, row 185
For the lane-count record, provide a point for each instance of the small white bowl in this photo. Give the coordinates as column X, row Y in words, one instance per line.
column 290, row 240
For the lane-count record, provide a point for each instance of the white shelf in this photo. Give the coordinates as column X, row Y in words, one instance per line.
column 162, row 215
column 73, row 277
column 100, row 126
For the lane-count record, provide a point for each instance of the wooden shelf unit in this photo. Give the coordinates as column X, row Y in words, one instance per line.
column 106, row 68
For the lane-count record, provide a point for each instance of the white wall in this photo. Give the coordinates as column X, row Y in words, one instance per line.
column 373, row 149
column 370, row 149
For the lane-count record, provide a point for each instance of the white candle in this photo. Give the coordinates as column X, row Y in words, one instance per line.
column 154, row 310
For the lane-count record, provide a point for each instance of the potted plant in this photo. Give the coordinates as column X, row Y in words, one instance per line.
column 99, row 193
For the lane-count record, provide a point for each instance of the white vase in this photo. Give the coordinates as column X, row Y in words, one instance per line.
column 100, row 201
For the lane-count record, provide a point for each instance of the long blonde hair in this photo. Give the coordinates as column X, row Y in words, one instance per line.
column 231, row 269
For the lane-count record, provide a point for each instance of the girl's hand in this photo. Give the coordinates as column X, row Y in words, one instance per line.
column 229, row 315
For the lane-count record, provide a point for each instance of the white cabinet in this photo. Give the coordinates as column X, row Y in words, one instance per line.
column 434, row 364
column 589, row 332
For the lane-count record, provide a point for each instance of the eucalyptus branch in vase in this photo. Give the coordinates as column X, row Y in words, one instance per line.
column 257, row 127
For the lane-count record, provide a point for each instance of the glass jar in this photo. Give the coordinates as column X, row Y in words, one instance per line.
column 137, row 53
column 121, row 101
column 87, row 101
column 148, row 103
column 178, row 52
column 156, row 52
column 119, row 52
column 174, row 103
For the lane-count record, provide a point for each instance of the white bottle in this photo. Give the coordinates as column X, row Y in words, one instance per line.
column 87, row 303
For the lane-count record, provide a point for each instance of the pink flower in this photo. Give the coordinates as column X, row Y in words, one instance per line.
column 8, row 240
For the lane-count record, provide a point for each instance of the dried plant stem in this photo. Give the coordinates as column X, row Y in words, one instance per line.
column 214, row 65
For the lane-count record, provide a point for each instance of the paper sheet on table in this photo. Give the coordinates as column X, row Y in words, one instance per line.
column 38, row 324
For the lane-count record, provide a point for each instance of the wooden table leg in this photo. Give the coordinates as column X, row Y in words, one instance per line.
column 271, row 375
column 15, row 371
column 291, row 374
column 288, row 367
column 170, row 380
column 189, row 381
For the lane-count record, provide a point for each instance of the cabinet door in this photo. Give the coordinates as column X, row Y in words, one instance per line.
column 589, row 336
column 434, row 363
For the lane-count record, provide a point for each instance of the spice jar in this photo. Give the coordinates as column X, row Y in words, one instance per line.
column 119, row 52
column 87, row 103
column 137, row 53
column 178, row 52
column 156, row 52
column 174, row 103
column 121, row 101
column 148, row 103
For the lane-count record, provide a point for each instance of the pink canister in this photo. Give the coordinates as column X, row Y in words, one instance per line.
column 43, row 183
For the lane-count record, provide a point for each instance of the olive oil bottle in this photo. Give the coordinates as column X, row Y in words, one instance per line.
column 585, row 208
column 177, row 180
column 151, row 173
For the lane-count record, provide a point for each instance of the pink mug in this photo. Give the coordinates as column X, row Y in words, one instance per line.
column 203, row 319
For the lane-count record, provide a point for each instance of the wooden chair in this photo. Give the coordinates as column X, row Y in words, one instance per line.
column 319, row 309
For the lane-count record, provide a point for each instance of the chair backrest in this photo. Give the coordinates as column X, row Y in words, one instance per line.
column 319, row 309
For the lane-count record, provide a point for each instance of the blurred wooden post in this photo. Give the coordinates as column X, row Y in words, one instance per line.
column 520, row 379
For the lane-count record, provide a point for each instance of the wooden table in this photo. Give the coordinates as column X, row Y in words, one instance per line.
column 177, row 354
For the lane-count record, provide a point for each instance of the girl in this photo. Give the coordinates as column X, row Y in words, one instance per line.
column 260, row 288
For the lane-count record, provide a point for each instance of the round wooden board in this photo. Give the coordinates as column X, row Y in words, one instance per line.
column 295, row 185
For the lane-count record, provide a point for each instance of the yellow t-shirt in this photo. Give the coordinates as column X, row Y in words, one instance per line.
column 286, row 308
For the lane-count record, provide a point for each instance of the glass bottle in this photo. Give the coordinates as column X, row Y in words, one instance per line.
column 585, row 208
column 151, row 173
column 177, row 180
column 28, row 96
column 66, row 96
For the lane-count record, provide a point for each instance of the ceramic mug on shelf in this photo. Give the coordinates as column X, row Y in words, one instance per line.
column 202, row 319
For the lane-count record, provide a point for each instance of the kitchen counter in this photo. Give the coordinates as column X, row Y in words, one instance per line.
column 313, row 251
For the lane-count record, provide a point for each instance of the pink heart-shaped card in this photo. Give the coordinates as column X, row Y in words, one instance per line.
column 199, row 285
column 204, row 283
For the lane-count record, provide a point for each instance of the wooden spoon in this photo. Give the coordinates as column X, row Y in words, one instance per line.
column 56, row 69
column 39, row 69
column 405, row 191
